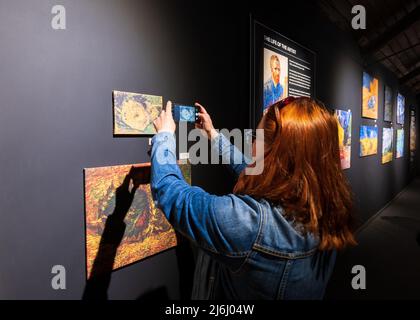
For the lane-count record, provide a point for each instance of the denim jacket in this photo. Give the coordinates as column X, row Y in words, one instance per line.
column 248, row 250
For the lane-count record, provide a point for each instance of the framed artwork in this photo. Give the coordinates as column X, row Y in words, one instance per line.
column 400, row 143
column 400, row 108
column 388, row 104
column 369, row 97
column 276, row 71
column 123, row 225
column 368, row 140
column 413, row 134
column 387, row 144
column 344, row 136
column 134, row 113
column 280, row 68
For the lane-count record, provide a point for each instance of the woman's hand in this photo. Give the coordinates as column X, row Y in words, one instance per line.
column 205, row 123
column 165, row 121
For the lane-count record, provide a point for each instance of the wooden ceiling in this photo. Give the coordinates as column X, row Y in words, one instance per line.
column 391, row 37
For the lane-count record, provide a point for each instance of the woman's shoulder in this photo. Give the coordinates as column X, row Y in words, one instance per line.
column 237, row 207
column 239, row 219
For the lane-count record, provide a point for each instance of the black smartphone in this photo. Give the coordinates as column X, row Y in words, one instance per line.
column 187, row 113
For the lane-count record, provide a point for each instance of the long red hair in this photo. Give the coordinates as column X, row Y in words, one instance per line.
column 302, row 172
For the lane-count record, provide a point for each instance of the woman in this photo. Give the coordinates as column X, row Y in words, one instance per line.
column 276, row 236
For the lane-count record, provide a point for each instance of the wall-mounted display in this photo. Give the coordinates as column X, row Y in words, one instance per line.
column 344, row 136
column 400, row 143
column 134, row 113
column 400, row 108
column 369, row 97
column 388, row 104
column 276, row 71
column 413, row 134
column 387, row 144
column 280, row 68
column 123, row 225
column 368, row 140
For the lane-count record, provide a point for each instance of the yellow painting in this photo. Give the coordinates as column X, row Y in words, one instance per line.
column 123, row 225
column 134, row 113
column 368, row 140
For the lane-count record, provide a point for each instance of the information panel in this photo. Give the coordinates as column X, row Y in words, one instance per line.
column 281, row 68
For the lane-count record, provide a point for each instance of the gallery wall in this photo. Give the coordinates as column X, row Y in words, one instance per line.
column 56, row 103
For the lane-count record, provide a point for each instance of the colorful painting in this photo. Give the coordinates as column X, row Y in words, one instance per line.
column 275, row 77
column 387, row 144
column 134, row 113
column 400, row 143
column 388, row 104
column 123, row 225
column 369, row 97
column 344, row 136
column 368, row 140
column 400, row 109
column 413, row 135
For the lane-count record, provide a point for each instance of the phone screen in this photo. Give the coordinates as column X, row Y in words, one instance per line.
column 184, row 113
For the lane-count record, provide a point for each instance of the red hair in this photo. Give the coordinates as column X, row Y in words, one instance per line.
column 302, row 171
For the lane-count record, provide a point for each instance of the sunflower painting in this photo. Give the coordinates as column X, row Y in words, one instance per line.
column 134, row 113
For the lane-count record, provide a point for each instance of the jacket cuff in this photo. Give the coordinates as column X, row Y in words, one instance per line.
column 163, row 136
column 219, row 143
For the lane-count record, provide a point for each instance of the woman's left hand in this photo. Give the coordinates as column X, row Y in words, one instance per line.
column 165, row 121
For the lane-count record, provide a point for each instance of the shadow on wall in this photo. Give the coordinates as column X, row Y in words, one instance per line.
column 100, row 277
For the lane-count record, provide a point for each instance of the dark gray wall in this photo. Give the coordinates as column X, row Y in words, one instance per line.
column 55, row 89
column 57, row 119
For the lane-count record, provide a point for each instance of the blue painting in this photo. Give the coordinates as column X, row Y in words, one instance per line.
column 400, row 109
column 387, row 139
column 388, row 104
column 369, row 97
column 400, row 143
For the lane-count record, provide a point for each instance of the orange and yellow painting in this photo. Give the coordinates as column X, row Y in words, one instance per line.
column 369, row 97
column 344, row 136
column 123, row 225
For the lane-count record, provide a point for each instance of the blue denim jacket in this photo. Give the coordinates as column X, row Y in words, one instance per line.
column 248, row 249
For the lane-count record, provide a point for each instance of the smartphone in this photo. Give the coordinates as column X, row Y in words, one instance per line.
column 187, row 113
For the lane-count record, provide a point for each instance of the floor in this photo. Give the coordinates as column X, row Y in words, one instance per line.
column 389, row 250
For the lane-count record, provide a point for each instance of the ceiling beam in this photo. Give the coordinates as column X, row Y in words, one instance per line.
column 412, row 74
column 389, row 9
column 395, row 53
column 392, row 32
